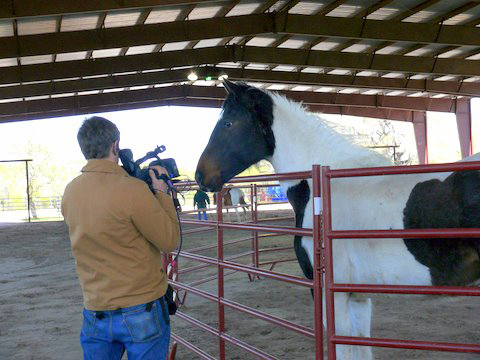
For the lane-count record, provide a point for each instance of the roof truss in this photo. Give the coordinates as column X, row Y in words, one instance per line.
column 222, row 27
column 14, row 9
column 455, row 88
column 383, row 107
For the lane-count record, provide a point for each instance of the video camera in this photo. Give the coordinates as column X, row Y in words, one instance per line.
column 133, row 167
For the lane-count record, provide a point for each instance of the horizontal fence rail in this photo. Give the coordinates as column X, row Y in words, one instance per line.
column 402, row 170
column 46, row 202
column 248, row 310
column 408, row 289
column 248, row 269
column 407, row 344
column 266, row 228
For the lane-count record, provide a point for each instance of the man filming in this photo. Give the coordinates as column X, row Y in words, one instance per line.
column 118, row 230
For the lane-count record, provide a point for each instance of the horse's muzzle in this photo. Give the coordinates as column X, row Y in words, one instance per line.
column 212, row 183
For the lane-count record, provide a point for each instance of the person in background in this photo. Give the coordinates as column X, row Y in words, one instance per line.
column 200, row 200
column 118, row 229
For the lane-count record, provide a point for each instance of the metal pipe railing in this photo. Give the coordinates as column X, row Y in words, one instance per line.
column 405, row 234
column 408, row 289
column 407, row 344
column 249, row 269
column 402, row 170
column 248, row 310
column 211, row 278
column 331, row 287
column 226, row 267
column 189, row 346
column 318, row 263
column 199, row 267
column 224, row 337
column 274, row 229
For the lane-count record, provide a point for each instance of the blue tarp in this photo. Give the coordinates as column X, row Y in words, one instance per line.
column 276, row 193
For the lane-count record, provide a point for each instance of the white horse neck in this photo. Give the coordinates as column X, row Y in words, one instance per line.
column 303, row 139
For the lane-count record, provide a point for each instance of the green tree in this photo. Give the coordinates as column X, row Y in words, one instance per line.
column 48, row 173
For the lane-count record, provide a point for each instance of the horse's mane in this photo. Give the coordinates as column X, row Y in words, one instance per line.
column 314, row 125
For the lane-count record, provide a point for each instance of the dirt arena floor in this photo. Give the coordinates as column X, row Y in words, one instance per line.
column 41, row 303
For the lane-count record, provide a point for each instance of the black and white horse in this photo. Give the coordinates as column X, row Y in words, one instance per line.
column 256, row 125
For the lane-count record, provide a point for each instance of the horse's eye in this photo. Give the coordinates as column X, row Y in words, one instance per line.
column 228, row 124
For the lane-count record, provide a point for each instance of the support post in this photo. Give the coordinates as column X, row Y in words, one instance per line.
column 221, row 288
column 317, row 260
column 28, row 191
column 255, row 253
column 420, row 129
column 328, row 261
column 463, row 113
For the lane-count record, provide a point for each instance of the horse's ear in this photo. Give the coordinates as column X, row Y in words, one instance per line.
column 231, row 87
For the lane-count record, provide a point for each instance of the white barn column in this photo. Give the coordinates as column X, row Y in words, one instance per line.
column 420, row 129
column 464, row 126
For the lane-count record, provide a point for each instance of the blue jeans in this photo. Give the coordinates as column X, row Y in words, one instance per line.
column 142, row 330
column 205, row 217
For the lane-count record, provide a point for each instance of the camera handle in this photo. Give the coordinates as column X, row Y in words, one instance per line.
column 165, row 178
column 171, row 188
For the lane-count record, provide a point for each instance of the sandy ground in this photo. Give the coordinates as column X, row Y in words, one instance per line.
column 40, row 304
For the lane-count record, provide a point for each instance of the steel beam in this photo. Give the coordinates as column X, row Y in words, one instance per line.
column 376, row 113
column 464, row 125
column 383, row 30
column 20, row 116
column 306, row 97
column 114, row 65
column 357, row 61
column 469, row 89
column 244, row 25
column 124, row 37
column 102, row 83
column 385, row 106
column 420, row 129
column 239, row 54
column 178, row 95
column 397, row 115
column 15, row 9
column 374, row 101
column 330, row 7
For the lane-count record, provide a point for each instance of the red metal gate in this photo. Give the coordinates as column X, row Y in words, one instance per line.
column 253, row 270
column 322, row 234
column 330, row 234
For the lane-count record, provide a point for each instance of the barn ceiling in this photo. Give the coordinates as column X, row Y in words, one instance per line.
column 378, row 58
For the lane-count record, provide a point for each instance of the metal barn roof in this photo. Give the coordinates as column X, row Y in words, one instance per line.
column 378, row 58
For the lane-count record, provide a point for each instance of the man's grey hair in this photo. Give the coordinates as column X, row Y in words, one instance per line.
column 96, row 136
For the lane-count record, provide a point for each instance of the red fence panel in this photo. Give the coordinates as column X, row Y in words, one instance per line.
column 330, row 234
column 323, row 235
column 254, row 270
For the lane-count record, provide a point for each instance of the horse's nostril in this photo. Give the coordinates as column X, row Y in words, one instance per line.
column 199, row 177
column 215, row 183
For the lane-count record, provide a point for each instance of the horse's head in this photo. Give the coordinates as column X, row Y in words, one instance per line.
column 243, row 136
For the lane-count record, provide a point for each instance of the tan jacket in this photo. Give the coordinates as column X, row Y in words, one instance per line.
column 117, row 230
